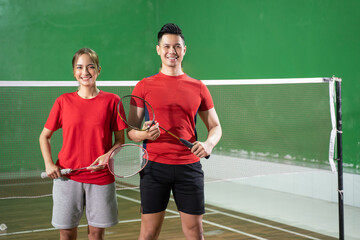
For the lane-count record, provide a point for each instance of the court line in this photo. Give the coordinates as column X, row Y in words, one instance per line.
column 80, row 226
column 205, row 221
column 263, row 224
column 214, row 211
column 23, row 184
column 234, row 216
column 233, row 230
column 176, row 215
column 229, row 215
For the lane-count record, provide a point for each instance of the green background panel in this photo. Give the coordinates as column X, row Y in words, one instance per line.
column 230, row 39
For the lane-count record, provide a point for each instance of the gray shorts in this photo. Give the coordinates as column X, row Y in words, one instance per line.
column 70, row 198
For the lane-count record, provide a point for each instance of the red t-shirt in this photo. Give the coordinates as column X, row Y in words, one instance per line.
column 87, row 126
column 176, row 101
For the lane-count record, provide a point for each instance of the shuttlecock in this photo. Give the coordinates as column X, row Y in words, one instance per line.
column 3, row 227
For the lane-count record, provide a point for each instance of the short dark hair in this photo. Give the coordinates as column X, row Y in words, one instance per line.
column 170, row 28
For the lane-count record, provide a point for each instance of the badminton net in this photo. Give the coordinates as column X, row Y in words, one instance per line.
column 269, row 126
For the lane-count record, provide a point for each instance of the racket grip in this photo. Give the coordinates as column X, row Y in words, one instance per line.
column 190, row 145
column 186, row 143
column 62, row 171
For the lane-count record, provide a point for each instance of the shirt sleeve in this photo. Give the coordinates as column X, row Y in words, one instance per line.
column 138, row 89
column 54, row 121
column 206, row 99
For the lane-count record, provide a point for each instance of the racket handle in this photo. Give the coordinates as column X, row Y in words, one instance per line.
column 62, row 171
column 186, row 143
column 44, row 175
column 190, row 145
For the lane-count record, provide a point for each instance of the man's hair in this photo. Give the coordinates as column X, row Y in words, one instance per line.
column 170, row 28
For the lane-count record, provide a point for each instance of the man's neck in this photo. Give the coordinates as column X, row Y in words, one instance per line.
column 172, row 71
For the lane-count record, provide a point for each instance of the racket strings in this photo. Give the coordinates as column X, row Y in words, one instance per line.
column 134, row 111
column 127, row 161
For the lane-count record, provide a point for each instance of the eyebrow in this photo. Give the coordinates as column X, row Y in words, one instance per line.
column 167, row 44
column 78, row 64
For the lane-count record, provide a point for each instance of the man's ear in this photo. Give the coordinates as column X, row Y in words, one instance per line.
column 158, row 49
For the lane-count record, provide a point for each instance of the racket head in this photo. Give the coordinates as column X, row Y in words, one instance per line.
column 127, row 160
column 135, row 111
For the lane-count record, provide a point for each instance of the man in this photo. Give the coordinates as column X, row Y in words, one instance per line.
column 176, row 99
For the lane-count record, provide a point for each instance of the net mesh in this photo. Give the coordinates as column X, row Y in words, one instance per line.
column 267, row 128
column 287, row 123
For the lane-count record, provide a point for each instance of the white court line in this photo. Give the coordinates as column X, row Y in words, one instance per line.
column 176, row 215
column 128, row 198
column 30, row 231
column 232, row 230
column 263, row 224
column 23, row 184
column 214, row 211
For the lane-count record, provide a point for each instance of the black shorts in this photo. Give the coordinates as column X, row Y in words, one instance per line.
column 186, row 182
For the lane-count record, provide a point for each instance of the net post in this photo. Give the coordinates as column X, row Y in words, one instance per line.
column 339, row 157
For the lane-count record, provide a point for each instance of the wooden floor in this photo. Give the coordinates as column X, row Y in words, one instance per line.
column 29, row 219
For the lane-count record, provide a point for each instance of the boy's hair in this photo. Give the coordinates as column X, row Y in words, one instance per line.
column 170, row 28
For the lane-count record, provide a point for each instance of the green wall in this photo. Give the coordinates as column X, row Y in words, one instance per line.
column 229, row 39
column 39, row 37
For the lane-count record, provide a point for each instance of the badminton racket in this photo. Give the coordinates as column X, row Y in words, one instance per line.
column 131, row 105
column 123, row 161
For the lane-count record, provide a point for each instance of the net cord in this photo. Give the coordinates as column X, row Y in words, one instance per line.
column 126, row 83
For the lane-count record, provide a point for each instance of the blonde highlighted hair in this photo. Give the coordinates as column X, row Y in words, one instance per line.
column 92, row 54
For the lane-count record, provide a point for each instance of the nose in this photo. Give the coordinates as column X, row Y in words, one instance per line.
column 172, row 50
column 85, row 70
